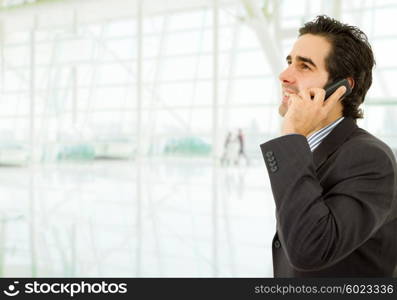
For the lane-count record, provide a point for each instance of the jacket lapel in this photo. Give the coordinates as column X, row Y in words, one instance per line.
column 334, row 140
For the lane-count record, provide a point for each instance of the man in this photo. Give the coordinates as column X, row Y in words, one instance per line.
column 241, row 151
column 333, row 183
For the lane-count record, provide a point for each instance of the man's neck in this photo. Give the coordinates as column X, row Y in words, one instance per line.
column 328, row 121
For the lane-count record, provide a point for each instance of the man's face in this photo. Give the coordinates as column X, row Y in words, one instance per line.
column 306, row 67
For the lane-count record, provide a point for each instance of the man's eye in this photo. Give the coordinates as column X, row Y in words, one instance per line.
column 305, row 67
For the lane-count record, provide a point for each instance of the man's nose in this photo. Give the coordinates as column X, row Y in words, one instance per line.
column 287, row 76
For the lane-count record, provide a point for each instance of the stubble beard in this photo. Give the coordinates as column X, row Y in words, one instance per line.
column 282, row 109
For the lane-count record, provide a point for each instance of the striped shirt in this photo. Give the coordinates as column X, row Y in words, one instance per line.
column 316, row 138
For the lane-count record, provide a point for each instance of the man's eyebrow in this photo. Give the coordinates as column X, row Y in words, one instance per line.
column 304, row 59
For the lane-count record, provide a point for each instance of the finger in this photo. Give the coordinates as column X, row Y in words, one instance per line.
column 305, row 94
column 318, row 95
column 334, row 98
column 293, row 98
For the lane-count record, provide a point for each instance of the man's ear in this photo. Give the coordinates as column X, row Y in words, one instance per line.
column 351, row 82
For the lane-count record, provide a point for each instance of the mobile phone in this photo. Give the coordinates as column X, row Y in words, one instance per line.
column 330, row 89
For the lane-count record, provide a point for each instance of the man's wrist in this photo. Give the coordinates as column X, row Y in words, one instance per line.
column 288, row 131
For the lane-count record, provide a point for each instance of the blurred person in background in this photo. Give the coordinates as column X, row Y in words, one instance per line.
column 225, row 159
column 241, row 152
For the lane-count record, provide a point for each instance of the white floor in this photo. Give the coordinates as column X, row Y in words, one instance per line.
column 167, row 218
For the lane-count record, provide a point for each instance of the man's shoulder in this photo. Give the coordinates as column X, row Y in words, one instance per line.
column 364, row 143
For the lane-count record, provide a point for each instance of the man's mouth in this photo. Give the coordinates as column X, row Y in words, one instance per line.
column 286, row 95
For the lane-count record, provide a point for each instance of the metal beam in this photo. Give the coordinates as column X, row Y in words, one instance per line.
column 268, row 39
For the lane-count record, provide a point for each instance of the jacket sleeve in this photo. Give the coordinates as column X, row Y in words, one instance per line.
column 318, row 228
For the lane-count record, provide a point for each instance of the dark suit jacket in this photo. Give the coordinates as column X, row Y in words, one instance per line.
column 336, row 208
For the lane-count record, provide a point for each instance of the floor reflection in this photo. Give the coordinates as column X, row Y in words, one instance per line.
column 85, row 219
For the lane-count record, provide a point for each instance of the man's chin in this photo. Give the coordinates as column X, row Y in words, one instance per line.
column 282, row 109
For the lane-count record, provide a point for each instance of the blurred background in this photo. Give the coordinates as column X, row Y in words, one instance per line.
column 121, row 124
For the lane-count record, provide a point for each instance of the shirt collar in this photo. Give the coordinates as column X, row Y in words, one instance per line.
column 316, row 138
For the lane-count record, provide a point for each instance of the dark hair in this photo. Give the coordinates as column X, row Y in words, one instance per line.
column 350, row 56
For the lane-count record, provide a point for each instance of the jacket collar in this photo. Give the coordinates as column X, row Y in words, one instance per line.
column 334, row 140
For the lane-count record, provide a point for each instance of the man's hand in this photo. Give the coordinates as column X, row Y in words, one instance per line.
column 305, row 114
